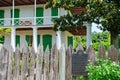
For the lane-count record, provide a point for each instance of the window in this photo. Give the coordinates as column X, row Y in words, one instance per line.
column 39, row 14
column 47, row 41
column 1, row 17
column 70, row 41
column 54, row 13
column 16, row 15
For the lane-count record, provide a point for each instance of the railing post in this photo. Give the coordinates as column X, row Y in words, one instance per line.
column 35, row 12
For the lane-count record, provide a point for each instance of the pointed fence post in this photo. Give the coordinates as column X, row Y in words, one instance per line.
column 62, row 61
column 69, row 64
column 3, row 63
column 112, row 53
column 91, row 53
column 39, row 61
column 102, row 52
column 16, row 72
column 46, row 64
column 32, row 63
column 25, row 54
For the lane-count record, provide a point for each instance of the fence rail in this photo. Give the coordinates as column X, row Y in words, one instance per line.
column 48, row 65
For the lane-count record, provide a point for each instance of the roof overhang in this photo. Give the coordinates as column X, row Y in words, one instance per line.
column 78, row 30
column 5, row 3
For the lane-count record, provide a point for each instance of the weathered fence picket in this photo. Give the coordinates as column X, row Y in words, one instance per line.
column 39, row 61
column 32, row 64
column 16, row 64
column 52, row 64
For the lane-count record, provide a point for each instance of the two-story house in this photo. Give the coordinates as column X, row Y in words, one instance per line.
column 31, row 22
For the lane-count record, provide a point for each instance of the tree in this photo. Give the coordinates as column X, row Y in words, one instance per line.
column 105, row 12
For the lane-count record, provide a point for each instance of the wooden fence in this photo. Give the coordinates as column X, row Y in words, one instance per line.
column 49, row 65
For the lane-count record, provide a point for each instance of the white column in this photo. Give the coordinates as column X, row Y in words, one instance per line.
column 35, row 39
column 89, row 35
column 58, row 39
column 13, row 30
column 35, row 12
column 13, row 38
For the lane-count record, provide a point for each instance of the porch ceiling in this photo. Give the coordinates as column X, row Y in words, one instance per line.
column 4, row 3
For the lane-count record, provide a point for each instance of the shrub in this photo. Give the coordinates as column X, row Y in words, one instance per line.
column 103, row 70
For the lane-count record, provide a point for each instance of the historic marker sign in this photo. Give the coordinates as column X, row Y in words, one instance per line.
column 79, row 62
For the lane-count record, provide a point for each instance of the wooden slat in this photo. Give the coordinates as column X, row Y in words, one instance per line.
column 68, row 64
column 10, row 58
column 3, row 63
column 39, row 63
column 16, row 71
column 32, row 64
column 102, row 52
column 91, row 53
column 62, row 63
column 112, row 53
column 24, row 72
column 46, row 64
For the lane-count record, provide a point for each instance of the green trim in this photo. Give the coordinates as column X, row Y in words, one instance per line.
column 16, row 15
column 47, row 41
column 2, row 39
column 38, row 40
column 70, row 40
column 29, row 39
column 17, row 40
column 39, row 13
column 54, row 12
column 1, row 17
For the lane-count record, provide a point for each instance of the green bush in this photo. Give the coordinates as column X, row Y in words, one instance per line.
column 103, row 70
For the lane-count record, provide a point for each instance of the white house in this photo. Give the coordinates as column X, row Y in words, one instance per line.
column 30, row 21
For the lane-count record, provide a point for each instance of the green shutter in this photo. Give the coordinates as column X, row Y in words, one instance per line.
column 47, row 41
column 2, row 40
column 39, row 13
column 16, row 15
column 38, row 40
column 27, row 38
column 54, row 12
column 70, row 41
column 17, row 40
column 1, row 17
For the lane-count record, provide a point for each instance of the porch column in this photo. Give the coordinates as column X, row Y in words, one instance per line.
column 13, row 38
column 58, row 39
column 89, row 35
column 13, row 30
column 35, row 39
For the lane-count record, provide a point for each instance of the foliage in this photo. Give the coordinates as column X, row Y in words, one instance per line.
column 103, row 70
column 105, row 12
column 100, row 38
column 97, row 39
column 4, row 31
column 67, row 4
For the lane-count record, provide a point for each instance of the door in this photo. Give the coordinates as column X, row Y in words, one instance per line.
column 17, row 40
column 39, row 14
column 16, row 16
column 54, row 13
column 1, row 17
column 29, row 39
column 70, row 41
column 38, row 40
column 47, row 41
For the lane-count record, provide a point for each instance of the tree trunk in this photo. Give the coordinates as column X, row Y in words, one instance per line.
column 115, row 39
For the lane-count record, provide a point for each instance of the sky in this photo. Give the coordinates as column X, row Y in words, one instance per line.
column 95, row 28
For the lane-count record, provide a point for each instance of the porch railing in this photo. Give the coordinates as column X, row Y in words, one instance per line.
column 27, row 21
